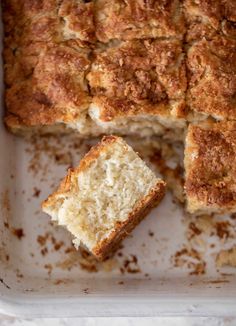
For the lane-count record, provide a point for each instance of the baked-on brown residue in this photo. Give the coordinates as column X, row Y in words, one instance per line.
column 6, row 201
column 36, row 192
column 49, row 239
column 130, row 265
column 19, row 233
column 191, row 259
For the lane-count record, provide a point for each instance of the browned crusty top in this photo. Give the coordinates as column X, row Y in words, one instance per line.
column 131, row 19
column 211, row 164
column 20, row 63
column 212, row 77
column 146, row 74
column 78, row 18
column 27, row 21
column 55, row 91
column 141, row 69
column 206, row 18
column 111, row 108
column 147, row 70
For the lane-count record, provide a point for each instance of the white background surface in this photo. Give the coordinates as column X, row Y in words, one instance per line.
column 163, row 321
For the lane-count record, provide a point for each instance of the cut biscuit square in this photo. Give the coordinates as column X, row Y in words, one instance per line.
column 210, row 167
column 206, row 19
column 105, row 197
column 212, row 78
column 139, row 87
column 132, row 19
column 51, row 88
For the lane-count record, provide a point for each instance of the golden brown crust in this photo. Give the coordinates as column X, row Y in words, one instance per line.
column 78, row 20
column 133, row 19
column 54, row 91
column 48, row 48
column 115, row 108
column 210, row 164
column 20, row 62
column 139, row 76
column 212, row 77
column 47, row 21
column 141, row 209
column 45, row 68
column 15, row 12
column 207, row 18
column 147, row 70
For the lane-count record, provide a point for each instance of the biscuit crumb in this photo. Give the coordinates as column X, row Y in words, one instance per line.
column 226, row 258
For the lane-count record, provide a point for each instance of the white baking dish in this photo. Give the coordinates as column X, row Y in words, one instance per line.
column 26, row 289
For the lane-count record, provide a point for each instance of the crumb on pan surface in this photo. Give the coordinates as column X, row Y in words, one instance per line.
column 226, row 258
column 105, row 197
column 210, row 167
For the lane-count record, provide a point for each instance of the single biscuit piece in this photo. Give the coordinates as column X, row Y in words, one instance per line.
column 210, row 167
column 105, row 197
column 139, row 86
column 206, row 19
column 54, row 92
column 212, row 78
column 46, row 60
column 132, row 19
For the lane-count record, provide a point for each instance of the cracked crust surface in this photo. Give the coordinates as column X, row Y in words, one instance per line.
column 212, row 78
column 139, row 77
column 207, row 18
column 139, row 56
column 46, row 59
column 210, row 166
column 133, row 19
column 53, row 91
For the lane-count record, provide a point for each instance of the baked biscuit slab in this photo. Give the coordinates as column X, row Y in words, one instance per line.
column 206, row 19
column 105, row 197
column 212, row 78
column 55, row 93
column 139, row 82
column 131, row 19
column 210, row 167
